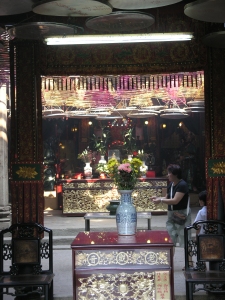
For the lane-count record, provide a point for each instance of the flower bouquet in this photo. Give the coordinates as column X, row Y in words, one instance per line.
column 125, row 179
column 143, row 156
column 112, row 166
column 102, row 168
column 124, row 176
column 86, row 156
column 135, row 163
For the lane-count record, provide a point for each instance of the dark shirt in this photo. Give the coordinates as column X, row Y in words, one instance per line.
column 181, row 187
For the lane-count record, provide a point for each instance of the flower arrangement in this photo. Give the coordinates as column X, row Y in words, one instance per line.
column 124, row 175
column 143, row 156
column 102, row 168
column 125, row 178
column 86, row 155
column 136, row 163
column 143, row 170
column 112, row 166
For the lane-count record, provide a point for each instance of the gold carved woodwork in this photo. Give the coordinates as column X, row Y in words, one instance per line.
column 26, row 172
column 126, row 286
column 83, row 197
column 219, row 168
column 130, row 258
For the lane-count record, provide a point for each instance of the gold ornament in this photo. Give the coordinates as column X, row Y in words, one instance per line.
column 26, row 172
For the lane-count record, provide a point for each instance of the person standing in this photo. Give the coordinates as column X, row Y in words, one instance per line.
column 202, row 213
column 177, row 199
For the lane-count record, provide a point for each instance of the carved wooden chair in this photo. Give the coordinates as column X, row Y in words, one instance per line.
column 205, row 258
column 26, row 261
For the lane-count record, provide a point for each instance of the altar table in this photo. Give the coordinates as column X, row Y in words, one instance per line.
column 108, row 266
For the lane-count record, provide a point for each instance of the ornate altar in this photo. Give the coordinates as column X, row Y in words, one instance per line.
column 108, row 266
column 93, row 195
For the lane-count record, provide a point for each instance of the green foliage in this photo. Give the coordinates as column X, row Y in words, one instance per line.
column 102, row 168
column 143, row 156
column 101, row 143
column 129, row 141
column 125, row 178
column 112, row 165
column 135, row 163
column 124, row 175
column 86, row 155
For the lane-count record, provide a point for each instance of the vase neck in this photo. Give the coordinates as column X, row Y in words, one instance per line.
column 125, row 196
column 125, row 191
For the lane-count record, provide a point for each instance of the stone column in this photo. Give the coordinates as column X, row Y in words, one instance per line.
column 4, row 185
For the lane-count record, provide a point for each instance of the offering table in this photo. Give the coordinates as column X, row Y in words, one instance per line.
column 80, row 196
column 108, row 266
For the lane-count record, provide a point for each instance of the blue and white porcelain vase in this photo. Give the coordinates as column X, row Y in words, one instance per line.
column 126, row 214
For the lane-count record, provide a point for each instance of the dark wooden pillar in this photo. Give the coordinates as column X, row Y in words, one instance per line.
column 26, row 153
column 214, row 128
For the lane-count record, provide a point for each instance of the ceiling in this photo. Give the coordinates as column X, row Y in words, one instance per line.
column 17, row 13
column 31, row 19
column 89, row 16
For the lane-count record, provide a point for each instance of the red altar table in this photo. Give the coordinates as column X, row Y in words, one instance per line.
column 108, row 266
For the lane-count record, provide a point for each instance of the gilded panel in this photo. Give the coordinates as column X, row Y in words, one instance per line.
column 216, row 167
column 128, row 258
column 84, row 185
column 96, row 200
column 26, row 172
column 123, row 285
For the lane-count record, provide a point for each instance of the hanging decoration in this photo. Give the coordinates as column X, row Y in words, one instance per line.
column 122, row 97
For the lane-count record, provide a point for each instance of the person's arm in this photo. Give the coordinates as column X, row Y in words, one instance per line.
column 198, row 218
column 175, row 200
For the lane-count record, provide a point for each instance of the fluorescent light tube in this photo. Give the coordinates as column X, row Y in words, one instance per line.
column 118, row 38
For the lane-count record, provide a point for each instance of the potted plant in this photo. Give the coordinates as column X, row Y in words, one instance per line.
column 87, row 156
